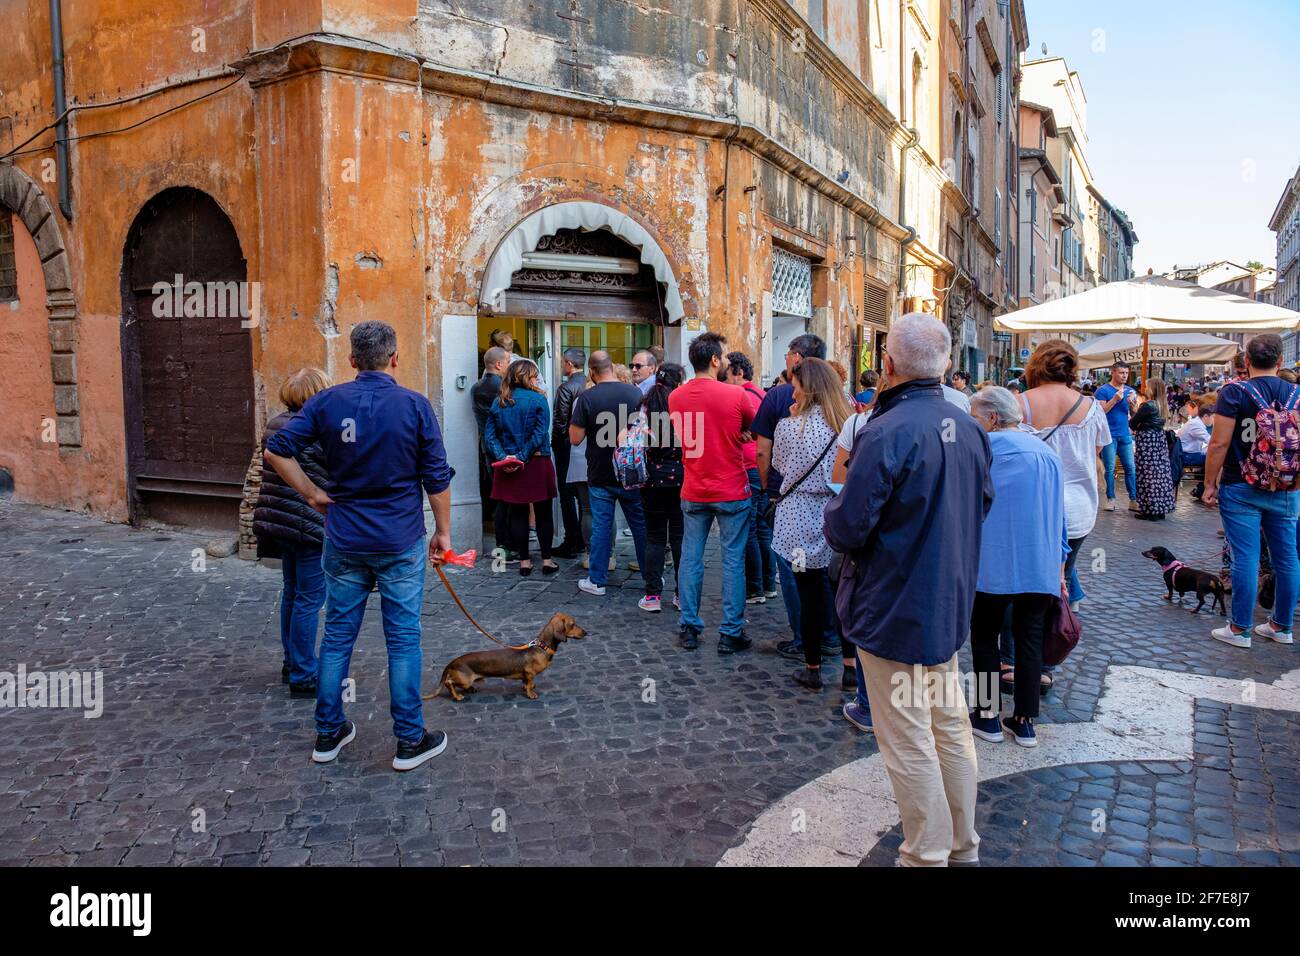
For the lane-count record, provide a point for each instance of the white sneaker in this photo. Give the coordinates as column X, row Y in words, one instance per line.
column 599, row 590
column 756, row 599
column 1110, row 504
column 1281, row 637
column 1228, row 636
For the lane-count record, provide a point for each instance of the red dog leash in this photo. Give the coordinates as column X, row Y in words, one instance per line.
column 470, row 617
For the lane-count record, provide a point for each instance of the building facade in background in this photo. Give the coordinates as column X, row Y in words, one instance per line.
column 1285, row 222
column 1044, row 215
column 607, row 174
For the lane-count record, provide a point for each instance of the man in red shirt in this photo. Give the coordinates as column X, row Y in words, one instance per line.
column 713, row 420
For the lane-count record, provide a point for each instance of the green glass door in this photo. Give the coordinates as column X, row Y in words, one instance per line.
column 621, row 340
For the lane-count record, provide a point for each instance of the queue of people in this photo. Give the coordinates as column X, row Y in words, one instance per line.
column 898, row 520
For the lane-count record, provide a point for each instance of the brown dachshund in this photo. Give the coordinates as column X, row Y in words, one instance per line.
column 524, row 665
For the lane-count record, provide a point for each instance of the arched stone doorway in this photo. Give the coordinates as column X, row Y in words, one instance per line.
column 187, row 362
column 581, row 273
column 542, row 285
column 20, row 195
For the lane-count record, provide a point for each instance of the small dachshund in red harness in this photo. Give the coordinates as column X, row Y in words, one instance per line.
column 1179, row 577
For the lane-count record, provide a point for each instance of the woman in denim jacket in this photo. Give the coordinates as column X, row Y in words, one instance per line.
column 517, row 438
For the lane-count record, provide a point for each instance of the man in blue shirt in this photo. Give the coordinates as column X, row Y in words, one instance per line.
column 381, row 444
column 1117, row 401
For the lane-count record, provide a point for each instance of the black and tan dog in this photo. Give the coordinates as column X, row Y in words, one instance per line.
column 1179, row 577
column 512, row 664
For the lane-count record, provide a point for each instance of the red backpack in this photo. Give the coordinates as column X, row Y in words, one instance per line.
column 1273, row 461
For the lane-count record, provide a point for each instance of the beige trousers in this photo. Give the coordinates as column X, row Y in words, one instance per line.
column 923, row 730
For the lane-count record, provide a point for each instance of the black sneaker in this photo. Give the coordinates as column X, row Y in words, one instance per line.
column 284, row 674
column 790, row 650
column 849, row 680
column 329, row 745
column 689, row 638
column 808, row 677
column 410, row 756
column 729, row 644
column 306, row 689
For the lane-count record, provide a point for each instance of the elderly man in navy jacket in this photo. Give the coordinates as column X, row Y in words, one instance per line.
column 909, row 521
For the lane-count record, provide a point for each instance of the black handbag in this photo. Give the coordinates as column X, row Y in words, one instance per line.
column 774, row 500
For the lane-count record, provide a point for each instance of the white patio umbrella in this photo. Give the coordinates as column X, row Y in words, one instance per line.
column 1184, row 347
column 1151, row 304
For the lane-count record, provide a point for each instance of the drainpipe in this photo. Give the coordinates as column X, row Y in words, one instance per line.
column 60, row 108
column 912, row 138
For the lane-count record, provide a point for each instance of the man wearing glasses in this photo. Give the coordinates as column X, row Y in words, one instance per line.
column 644, row 368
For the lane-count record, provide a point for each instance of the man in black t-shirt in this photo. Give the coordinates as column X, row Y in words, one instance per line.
column 600, row 415
column 1246, row 509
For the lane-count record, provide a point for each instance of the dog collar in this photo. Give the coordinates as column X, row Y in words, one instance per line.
column 1173, row 566
column 537, row 643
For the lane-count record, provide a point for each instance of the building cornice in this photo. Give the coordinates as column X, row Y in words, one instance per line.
column 1290, row 194
column 333, row 54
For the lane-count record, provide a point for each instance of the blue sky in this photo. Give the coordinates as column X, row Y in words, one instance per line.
column 1193, row 116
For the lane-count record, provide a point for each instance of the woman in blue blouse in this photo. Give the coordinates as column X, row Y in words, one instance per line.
column 517, row 438
column 1022, row 564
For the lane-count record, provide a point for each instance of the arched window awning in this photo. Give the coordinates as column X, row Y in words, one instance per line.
column 509, row 255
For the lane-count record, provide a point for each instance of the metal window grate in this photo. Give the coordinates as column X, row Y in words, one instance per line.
column 791, row 284
column 875, row 304
column 8, row 268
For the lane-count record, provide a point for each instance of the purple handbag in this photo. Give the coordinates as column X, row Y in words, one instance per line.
column 1061, row 633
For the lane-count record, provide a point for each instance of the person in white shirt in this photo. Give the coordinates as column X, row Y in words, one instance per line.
column 1194, row 437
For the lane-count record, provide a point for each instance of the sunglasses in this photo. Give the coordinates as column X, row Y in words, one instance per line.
column 636, row 365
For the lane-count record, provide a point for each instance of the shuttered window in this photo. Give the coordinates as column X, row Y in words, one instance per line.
column 8, row 268
column 875, row 304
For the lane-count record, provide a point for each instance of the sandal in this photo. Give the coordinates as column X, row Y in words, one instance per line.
column 1007, row 679
column 1045, row 682
column 551, row 568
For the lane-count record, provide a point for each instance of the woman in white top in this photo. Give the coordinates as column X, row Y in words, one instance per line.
column 1075, row 427
column 1194, row 436
column 803, row 452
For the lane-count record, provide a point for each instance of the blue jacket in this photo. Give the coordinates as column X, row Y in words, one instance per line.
column 909, row 521
column 1025, row 539
column 521, row 429
column 381, row 445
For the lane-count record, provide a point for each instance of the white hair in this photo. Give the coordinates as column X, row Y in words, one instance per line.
column 920, row 346
column 998, row 400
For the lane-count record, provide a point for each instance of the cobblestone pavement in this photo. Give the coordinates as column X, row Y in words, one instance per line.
column 636, row 753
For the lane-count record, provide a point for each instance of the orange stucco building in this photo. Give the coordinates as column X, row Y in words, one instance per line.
column 602, row 174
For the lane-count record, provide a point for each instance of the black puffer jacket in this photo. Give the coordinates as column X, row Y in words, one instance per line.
column 281, row 513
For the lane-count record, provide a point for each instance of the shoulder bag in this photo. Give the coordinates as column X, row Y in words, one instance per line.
column 774, row 500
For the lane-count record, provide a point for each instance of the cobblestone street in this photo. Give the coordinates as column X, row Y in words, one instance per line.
column 636, row 753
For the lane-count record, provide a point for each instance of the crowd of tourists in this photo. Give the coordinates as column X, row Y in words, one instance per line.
column 893, row 516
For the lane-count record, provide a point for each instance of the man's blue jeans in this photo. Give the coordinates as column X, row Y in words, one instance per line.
column 300, row 604
column 603, row 498
column 733, row 532
column 349, row 576
column 1123, row 448
column 1245, row 510
column 760, row 559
